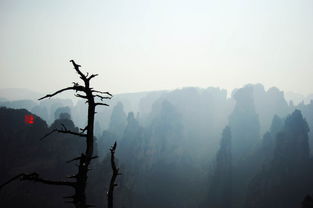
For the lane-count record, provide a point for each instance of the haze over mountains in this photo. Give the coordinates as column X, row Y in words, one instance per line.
column 11, row 94
column 224, row 143
column 189, row 147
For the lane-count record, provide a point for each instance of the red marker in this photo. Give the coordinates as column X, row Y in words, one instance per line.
column 29, row 119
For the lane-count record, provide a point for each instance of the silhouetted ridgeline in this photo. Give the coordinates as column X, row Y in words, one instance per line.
column 190, row 147
column 22, row 151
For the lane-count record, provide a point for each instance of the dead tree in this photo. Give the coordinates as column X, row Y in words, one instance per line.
column 79, row 180
column 115, row 173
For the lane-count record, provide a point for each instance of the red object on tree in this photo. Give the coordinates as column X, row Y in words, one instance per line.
column 29, row 119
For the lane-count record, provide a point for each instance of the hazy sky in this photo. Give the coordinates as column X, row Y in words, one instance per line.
column 139, row 45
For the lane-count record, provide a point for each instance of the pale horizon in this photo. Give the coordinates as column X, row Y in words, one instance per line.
column 140, row 45
column 13, row 94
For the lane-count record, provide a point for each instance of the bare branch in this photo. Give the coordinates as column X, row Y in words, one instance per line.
column 81, row 96
column 113, row 178
column 102, row 97
column 112, row 150
column 76, row 84
column 102, row 92
column 73, row 133
column 9, row 181
column 84, row 129
column 75, row 87
column 76, row 158
column 101, row 104
column 35, row 177
column 92, row 76
column 76, row 67
column 64, row 131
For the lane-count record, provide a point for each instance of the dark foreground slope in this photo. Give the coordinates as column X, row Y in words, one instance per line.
column 21, row 151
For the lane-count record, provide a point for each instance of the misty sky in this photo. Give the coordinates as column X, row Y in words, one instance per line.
column 140, row 45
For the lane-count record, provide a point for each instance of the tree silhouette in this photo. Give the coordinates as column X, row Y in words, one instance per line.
column 79, row 180
column 116, row 172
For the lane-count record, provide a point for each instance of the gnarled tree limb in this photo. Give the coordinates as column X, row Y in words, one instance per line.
column 107, row 93
column 79, row 198
column 81, row 96
column 76, row 67
column 92, row 76
column 35, row 177
column 63, row 131
column 101, row 104
column 76, row 88
column 113, row 178
column 84, row 129
column 103, row 97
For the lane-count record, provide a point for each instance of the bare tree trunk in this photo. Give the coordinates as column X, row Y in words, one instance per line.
column 79, row 185
column 113, row 178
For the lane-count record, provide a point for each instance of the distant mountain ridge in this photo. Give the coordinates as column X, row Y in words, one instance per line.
column 19, row 94
column 12, row 94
